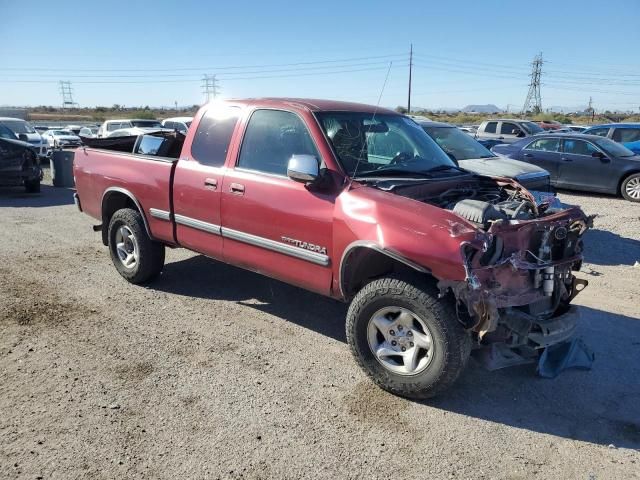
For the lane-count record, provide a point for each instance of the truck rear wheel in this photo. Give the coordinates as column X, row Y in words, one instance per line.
column 407, row 340
column 32, row 186
column 136, row 257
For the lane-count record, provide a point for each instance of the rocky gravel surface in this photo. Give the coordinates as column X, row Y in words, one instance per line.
column 215, row 372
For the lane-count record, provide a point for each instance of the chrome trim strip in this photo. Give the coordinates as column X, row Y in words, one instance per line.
column 530, row 175
column 292, row 251
column 161, row 214
column 197, row 224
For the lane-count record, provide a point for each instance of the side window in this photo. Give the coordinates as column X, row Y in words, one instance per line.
column 491, row 127
column 170, row 125
column 545, row 145
column 211, row 142
column 625, row 135
column 271, row 138
column 578, row 147
column 602, row 132
column 112, row 126
column 509, row 129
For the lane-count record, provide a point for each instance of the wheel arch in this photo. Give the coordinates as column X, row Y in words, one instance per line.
column 623, row 177
column 364, row 260
column 114, row 199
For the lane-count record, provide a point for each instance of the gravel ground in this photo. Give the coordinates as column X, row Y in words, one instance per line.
column 214, row 372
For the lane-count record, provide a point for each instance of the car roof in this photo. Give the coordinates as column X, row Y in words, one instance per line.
column 575, row 135
column 515, row 120
column 313, row 105
column 622, row 125
column 11, row 118
column 177, row 119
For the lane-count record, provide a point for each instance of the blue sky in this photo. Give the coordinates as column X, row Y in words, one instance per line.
column 155, row 53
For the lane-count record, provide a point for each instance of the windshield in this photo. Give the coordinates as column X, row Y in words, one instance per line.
column 62, row 132
column 19, row 126
column 457, row 144
column 613, row 148
column 368, row 144
column 146, row 123
column 532, row 128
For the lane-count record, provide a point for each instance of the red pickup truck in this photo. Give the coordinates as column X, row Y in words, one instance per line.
column 357, row 203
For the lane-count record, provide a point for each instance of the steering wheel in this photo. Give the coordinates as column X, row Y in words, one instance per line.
column 401, row 157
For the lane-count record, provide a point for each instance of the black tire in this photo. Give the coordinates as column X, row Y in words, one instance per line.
column 452, row 344
column 631, row 181
column 150, row 255
column 32, row 186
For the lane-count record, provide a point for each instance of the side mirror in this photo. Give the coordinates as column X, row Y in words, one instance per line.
column 23, row 137
column 603, row 158
column 520, row 134
column 303, row 168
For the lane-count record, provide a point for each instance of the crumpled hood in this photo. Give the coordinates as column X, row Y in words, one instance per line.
column 500, row 167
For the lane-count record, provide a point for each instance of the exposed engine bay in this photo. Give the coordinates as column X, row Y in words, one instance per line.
column 519, row 283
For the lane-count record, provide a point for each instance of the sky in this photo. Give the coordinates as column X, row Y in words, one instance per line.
column 156, row 53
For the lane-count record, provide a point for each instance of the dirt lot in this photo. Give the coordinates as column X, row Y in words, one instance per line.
column 214, row 372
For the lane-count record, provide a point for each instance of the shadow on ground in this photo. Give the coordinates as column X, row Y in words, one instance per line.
column 48, row 197
column 608, row 248
column 600, row 406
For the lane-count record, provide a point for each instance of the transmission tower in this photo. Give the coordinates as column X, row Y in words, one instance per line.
column 209, row 87
column 67, row 94
column 534, row 100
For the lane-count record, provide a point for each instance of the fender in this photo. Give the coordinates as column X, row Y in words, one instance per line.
column 132, row 197
column 374, row 246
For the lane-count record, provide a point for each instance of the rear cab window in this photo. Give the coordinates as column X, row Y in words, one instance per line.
column 211, row 141
column 491, row 127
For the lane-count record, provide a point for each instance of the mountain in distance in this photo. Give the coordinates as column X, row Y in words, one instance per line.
column 489, row 108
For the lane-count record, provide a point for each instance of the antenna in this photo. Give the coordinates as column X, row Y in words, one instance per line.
column 373, row 117
column 410, row 68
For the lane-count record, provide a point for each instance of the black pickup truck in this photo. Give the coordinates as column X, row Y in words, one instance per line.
column 19, row 162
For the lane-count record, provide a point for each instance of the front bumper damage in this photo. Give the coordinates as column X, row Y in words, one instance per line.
column 516, row 299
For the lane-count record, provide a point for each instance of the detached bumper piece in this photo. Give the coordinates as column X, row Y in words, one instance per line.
column 558, row 358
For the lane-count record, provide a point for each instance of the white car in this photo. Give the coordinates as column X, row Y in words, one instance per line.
column 180, row 124
column 130, row 132
column 25, row 132
column 89, row 132
column 61, row 138
column 110, row 126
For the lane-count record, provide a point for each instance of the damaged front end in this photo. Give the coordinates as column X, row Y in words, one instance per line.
column 519, row 275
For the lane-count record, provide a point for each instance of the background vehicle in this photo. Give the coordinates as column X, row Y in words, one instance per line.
column 507, row 130
column 549, row 125
column 180, row 124
column 128, row 132
column 112, row 125
column 475, row 158
column 627, row 134
column 61, row 138
column 25, row 132
column 581, row 162
column 19, row 162
column 88, row 132
column 357, row 203
column 576, row 128
column 75, row 129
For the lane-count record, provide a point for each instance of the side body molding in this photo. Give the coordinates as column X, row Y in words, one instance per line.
column 358, row 244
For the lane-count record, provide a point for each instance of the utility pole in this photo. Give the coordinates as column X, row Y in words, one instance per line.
column 591, row 110
column 410, row 68
column 534, row 100
column 210, row 87
column 67, row 94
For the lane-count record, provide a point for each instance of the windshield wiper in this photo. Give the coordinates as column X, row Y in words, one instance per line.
column 391, row 172
column 440, row 168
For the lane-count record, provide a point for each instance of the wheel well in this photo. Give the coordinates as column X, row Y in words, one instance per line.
column 624, row 177
column 362, row 264
column 111, row 203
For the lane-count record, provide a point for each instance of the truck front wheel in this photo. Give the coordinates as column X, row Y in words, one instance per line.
column 407, row 340
column 136, row 257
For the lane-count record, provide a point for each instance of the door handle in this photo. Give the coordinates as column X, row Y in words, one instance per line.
column 528, row 155
column 211, row 183
column 500, row 138
column 565, row 159
column 236, row 188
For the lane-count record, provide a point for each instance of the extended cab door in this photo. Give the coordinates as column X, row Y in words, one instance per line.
column 270, row 223
column 510, row 132
column 198, row 182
